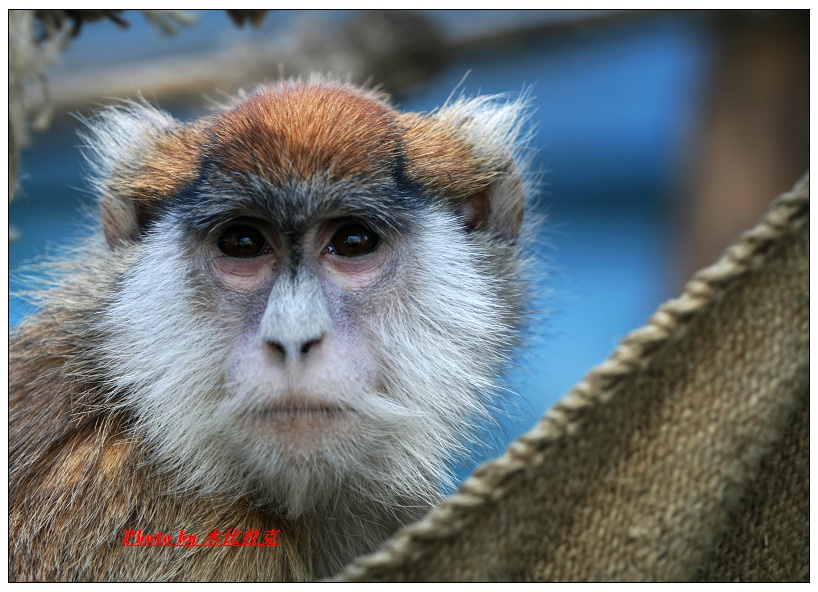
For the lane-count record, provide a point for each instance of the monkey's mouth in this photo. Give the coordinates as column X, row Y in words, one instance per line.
column 305, row 411
column 308, row 427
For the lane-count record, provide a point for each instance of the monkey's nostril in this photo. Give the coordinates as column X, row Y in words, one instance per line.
column 308, row 345
column 279, row 348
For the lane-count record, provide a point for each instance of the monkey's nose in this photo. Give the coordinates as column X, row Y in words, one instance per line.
column 293, row 350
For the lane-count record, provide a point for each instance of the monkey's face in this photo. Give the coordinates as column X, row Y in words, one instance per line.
column 304, row 349
column 315, row 307
column 300, row 275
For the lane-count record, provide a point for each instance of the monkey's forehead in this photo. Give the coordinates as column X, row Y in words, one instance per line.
column 298, row 131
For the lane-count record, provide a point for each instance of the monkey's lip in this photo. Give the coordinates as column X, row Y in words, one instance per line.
column 302, row 410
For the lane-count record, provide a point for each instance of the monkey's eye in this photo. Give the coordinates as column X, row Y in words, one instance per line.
column 242, row 240
column 353, row 240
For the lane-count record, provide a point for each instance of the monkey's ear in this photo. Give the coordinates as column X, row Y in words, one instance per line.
column 120, row 219
column 140, row 157
column 470, row 153
column 499, row 207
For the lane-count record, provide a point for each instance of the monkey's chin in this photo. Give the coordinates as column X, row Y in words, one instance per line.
column 300, row 457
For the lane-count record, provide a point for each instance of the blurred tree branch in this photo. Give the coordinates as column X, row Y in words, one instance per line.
column 36, row 39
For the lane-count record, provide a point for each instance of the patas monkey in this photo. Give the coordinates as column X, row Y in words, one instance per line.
column 295, row 313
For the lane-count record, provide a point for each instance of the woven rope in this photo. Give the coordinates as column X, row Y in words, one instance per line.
column 645, row 468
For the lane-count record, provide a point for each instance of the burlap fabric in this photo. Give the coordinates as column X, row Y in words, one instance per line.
column 685, row 456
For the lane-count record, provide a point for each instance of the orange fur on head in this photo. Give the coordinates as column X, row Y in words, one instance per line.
column 299, row 131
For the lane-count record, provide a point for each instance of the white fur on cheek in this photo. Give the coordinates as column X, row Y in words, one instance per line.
column 166, row 362
column 444, row 342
